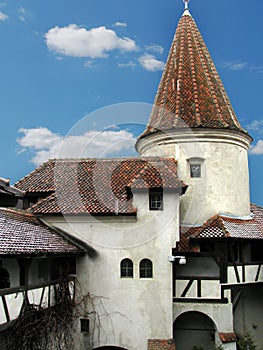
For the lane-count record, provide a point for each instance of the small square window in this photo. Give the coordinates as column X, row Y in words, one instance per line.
column 195, row 170
column 84, row 325
column 156, row 199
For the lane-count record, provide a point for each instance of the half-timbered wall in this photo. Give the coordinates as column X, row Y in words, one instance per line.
column 199, row 278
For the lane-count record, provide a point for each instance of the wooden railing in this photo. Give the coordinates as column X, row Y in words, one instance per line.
column 12, row 300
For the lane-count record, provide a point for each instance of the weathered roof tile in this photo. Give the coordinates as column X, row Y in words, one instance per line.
column 190, row 93
column 23, row 234
column 223, row 227
column 97, row 186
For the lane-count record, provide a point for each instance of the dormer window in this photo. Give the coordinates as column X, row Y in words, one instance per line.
column 156, row 199
column 196, row 165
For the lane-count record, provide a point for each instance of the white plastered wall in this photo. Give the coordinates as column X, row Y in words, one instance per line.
column 131, row 309
column 224, row 183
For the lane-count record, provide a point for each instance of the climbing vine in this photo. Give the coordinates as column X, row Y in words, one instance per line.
column 53, row 327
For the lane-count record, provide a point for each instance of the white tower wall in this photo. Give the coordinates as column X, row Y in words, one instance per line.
column 224, row 183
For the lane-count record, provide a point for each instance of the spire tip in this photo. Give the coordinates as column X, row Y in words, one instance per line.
column 186, row 4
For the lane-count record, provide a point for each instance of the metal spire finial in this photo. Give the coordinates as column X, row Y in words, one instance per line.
column 186, row 4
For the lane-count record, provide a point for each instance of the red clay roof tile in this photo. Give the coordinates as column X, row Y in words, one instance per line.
column 222, row 227
column 97, row 186
column 227, row 337
column 190, row 93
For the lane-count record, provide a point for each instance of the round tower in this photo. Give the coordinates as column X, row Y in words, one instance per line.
column 192, row 120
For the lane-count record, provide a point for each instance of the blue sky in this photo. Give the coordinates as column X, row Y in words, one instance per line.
column 63, row 62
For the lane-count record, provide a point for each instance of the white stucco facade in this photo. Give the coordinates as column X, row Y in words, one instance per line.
column 222, row 155
column 131, row 309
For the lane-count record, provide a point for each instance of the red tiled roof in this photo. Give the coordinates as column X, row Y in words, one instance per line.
column 23, row 234
column 39, row 180
column 185, row 245
column 97, row 186
column 227, row 337
column 190, row 93
column 220, row 226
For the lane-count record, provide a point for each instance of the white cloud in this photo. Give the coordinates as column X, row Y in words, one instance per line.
column 256, row 69
column 89, row 64
column 154, row 48
column 150, row 63
column 38, row 138
column 79, row 42
column 22, row 12
column 45, row 144
column 255, row 125
column 235, row 65
column 129, row 64
column 3, row 16
column 120, row 24
column 257, row 149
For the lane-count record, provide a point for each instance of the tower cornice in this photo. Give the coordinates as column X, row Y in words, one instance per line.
column 177, row 136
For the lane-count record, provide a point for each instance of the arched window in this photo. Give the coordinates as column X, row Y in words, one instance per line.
column 4, row 278
column 146, row 268
column 126, row 268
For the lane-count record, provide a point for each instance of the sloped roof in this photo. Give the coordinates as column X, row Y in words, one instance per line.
column 23, row 234
column 184, row 244
column 220, row 226
column 97, row 186
column 223, row 227
column 190, row 93
column 6, row 188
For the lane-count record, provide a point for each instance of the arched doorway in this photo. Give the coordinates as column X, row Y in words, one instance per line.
column 194, row 330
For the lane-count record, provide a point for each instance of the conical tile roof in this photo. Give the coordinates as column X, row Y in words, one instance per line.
column 190, row 93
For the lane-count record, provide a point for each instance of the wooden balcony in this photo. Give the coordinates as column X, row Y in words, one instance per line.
column 12, row 300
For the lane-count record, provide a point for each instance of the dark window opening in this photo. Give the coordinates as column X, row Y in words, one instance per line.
column 43, row 269
column 146, row 269
column 22, row 275
column 156, row 199
column 206, row 247
column 4, row 278
column 62, row 267
column 195, row 170
column 24, row 267
column 256, row 252
column 84, row 325
column 126, row 268
column 129, row 194
column 234, row 253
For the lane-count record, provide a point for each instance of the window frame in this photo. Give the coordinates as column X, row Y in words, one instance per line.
column 84, row 325
column 195, row 174
column 128, row 269
column 193, row 162
column 155, row 192
column 146, row 271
